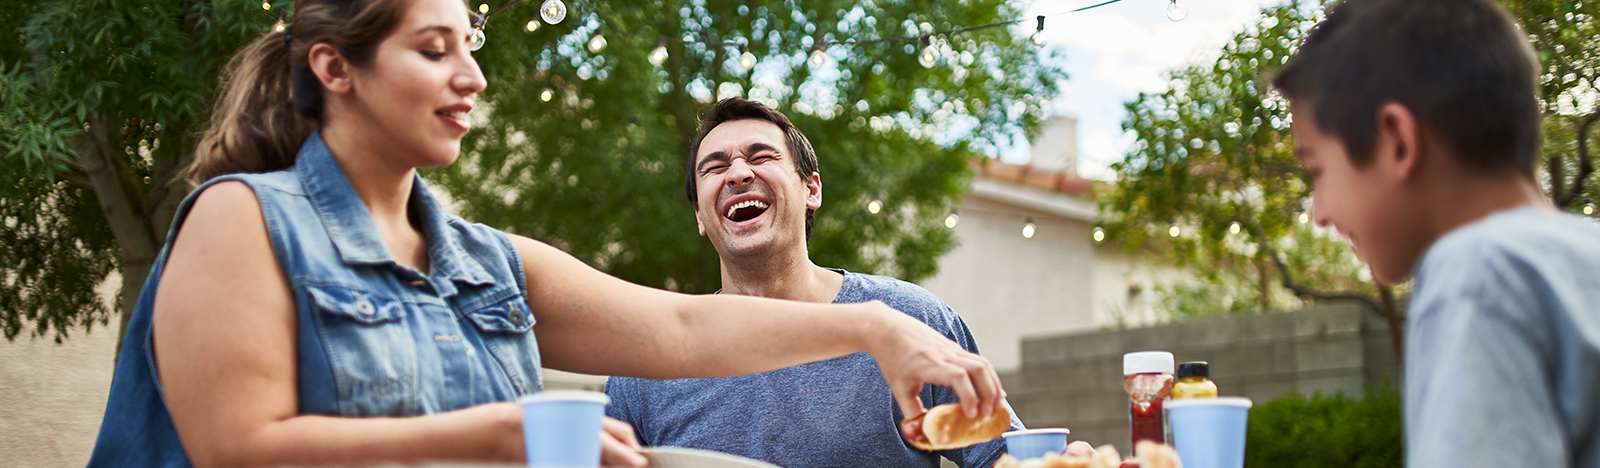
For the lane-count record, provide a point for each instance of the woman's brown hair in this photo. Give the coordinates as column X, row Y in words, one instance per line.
column 271, row 100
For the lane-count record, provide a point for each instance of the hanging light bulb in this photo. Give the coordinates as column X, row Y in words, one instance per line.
column 1176, row 12
column 533, row 25
column 1027, row 229
column 874, row 206
column 1305, row 218
column 1037, row 39
column 279, row 26
column 818, row 57
column 477, row 39
column 553, row 11
column 1173, row 231
column 1588, row 209
column 659, row 56
column 1099, row 235
column 597, row 43
column 930, row 54
column 951, row 219
column 546, row 95
column 1233, row 228
column 483, row 8
column 266, row 6
column 747, row 60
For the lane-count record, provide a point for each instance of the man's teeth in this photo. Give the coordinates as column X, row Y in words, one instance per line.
column 746, row 204
column 458, row 114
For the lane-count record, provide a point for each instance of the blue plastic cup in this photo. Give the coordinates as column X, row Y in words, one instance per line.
column 561, row 428
column 1209, row 432
column 1034, row 443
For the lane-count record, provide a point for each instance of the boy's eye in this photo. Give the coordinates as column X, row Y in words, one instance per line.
column 432, row 54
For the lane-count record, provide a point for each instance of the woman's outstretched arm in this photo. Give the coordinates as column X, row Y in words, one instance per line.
column 593, row 323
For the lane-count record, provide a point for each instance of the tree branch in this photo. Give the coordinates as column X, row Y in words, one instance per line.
column 1300, row 290
column 1585, row 166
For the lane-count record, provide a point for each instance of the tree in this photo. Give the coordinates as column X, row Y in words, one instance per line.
column 103, row 102
column 585, row 146
column 1214, row 156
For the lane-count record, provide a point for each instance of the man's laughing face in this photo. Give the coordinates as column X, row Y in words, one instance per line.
column 751, row 201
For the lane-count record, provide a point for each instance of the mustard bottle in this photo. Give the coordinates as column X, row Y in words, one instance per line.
column 1194, row 381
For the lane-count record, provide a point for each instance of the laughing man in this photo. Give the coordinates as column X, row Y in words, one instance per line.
column 754, row 185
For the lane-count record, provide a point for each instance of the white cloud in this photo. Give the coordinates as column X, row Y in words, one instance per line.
column 1116, row 51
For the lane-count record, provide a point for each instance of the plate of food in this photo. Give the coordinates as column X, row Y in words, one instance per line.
column 681, row 457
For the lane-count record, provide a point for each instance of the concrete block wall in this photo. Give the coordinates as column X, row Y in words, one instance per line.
column 1075, row 381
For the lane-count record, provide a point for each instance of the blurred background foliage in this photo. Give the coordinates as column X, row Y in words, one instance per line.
column 585, row 147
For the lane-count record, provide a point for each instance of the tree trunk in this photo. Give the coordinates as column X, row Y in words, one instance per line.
column 136, row 243
column 1396, row 329
column 1265, row 284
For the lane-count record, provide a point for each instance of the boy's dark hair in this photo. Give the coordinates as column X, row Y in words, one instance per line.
column 730, row 109
column 1461, row 66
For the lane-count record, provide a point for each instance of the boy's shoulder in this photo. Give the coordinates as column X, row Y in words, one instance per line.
column 1511, row 248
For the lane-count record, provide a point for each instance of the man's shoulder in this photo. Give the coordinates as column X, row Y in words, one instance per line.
column 900, row 294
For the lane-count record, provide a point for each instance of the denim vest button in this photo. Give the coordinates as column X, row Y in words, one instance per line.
column 516, row 317
column 364, row 307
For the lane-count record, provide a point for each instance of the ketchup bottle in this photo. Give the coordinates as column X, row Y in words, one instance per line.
column 1147, row 375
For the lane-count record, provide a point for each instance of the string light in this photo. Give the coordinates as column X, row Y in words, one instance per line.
column 546, row 95
column 1305, row 218
column 951, row 219
column 279, row 26
column 1099, row 235
column 1027, row 229
column 747, row 60
column 930, row 55
column 266, row 6
column 597, row 43
column 1588, row 209
column 533, row 25
column 818, row 57
column 553, row 11
column 874, row 206
column 483, row 8
column 659, row 56
column 1037, row 39
column 1176, row 12
column 1233, row 228
column 477, row 39
column 1174, row 231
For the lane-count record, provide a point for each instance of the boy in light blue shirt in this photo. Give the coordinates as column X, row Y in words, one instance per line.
column 1418, row 122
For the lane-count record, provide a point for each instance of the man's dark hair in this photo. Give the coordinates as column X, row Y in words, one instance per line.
column 1461, row 66
column 730, row 109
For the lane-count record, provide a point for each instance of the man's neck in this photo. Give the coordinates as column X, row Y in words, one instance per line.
column 790, row 277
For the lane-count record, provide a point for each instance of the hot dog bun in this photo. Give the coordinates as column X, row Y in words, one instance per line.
column 945, row 427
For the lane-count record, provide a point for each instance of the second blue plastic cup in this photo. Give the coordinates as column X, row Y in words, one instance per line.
column 1034, row 443
column 1209, row 432
column 561, row 428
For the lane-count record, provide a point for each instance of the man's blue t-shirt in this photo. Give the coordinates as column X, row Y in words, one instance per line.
column 833, row 413
column 1503, row 345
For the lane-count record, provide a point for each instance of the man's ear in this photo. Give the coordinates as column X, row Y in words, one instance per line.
column 814, row 191
column 331, row 68
column 1399, row 139
column 697, row 224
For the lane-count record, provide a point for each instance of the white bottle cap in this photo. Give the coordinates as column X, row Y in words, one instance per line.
column 1147, row 362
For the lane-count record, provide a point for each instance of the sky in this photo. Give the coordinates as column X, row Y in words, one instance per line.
column 1114, row 52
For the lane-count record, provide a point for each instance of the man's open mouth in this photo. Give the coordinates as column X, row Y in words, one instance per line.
column 746, row 210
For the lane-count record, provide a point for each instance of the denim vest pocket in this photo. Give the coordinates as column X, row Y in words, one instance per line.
column 506, row 326
column 371, row 349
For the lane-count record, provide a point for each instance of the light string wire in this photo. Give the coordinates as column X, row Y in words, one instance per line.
column 483, row 18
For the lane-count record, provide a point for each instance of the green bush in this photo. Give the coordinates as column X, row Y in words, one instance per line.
column 1322, row 431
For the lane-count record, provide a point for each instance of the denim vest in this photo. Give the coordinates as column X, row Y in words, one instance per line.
column 374, row 338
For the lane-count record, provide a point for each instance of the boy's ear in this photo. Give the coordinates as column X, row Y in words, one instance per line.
column 1399, row 139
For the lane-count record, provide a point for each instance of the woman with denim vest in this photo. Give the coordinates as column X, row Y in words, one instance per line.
column 314, row 305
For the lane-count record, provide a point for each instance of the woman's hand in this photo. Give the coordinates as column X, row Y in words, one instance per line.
column 911, row 354
column 618, row 446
